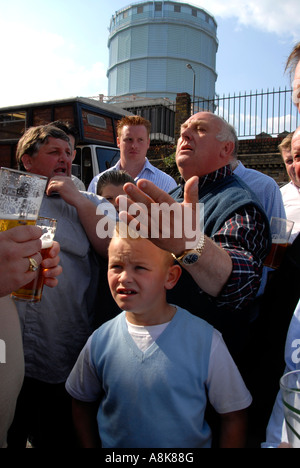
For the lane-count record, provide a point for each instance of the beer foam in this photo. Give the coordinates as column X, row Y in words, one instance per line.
column 16, row 217
column 279, row 241
column 46, row 243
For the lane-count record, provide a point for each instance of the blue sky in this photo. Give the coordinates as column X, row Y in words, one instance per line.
column 57, row 49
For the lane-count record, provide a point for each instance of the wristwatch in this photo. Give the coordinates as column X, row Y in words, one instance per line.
column 189, row 257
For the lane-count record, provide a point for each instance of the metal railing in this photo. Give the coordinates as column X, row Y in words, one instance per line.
column 251, row 114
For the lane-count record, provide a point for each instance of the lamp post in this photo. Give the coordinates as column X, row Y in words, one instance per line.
column 189, row 66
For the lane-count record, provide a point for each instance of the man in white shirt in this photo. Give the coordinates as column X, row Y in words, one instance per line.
column 296, row 155
column 291, row 191
column 134, row 140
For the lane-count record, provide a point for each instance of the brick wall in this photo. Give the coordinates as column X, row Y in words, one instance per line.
column 261, row 153
column 183, row 111
column 270, row 164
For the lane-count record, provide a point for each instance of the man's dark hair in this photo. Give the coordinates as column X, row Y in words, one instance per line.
column 113, row 177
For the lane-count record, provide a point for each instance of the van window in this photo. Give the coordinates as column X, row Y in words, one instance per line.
column 12, row 125
column 107, row 157
column 82, row 165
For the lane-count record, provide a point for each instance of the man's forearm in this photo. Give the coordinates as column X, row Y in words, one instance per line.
column 233, row 429
column 212, row 270
column 87, row 213
column 85, row 422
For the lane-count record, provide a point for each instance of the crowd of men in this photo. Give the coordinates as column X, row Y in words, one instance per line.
column 223, row 280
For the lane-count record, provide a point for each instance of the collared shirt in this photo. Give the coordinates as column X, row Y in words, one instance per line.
column 291, row 200
column 55, row 329
column 159, row 178
column 265, row 188
column 268, row 193
column 245, row 238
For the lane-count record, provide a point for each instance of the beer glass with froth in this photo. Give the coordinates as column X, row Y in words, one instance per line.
column 280, row 231
column 290, row 392
column 21, row 195
column 32, row 292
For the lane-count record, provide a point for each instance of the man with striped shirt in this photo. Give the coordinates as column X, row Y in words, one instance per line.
column 134, row 141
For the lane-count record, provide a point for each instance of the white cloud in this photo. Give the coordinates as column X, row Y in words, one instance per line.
column 280, row 17
column 38, row 65
column 45, row 66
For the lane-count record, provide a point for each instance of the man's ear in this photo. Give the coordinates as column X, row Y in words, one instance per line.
column 227, row 150
column 27, row 161
column 174, row 274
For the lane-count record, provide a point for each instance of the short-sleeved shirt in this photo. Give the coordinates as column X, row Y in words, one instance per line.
column 55, row 329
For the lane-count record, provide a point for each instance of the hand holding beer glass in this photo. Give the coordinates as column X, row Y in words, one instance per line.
column 32, row 291
column 281, row 232
column 21, row 195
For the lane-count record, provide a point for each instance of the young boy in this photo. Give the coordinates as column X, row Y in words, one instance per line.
column 143, row 376
column 110, row 185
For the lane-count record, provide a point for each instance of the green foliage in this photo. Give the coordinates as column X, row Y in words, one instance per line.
column 170, row 166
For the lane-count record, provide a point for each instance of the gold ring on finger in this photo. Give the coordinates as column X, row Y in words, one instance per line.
column 33, row 266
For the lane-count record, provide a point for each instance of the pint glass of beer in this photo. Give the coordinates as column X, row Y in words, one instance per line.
column 21, row 195
column 32, row 292
column 280, row 231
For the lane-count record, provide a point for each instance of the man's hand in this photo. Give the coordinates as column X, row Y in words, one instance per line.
column 170, row 225
column 86, row 209
column 16, row 246
column 51, row 266
column 66, row 189
column 178, row 232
